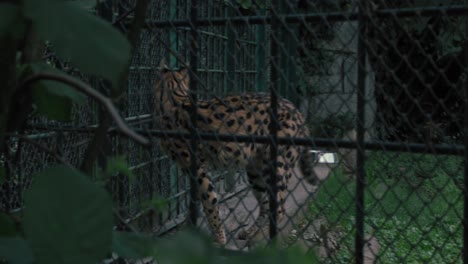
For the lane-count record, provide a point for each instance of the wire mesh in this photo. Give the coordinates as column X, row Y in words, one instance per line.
column 360, row 86
column 379, row 84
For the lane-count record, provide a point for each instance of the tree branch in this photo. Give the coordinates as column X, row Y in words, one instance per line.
column 101, row 132
column 124, row 222
column 89, row 91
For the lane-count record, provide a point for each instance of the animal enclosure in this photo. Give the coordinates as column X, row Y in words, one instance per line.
column 381, row 86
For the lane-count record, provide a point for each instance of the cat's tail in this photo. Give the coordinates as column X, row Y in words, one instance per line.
column 307, row 163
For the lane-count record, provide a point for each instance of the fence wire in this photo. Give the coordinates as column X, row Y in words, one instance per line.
column 371, row 92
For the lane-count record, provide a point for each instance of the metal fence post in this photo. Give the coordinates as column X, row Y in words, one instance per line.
column 288, row 54
column 465, row 142
column 230, row 80
column 229, row 54
column 193, row 208
column 273, row 126
column 119, row 184
column 361, row 101
column 174, row 173
column 260, row 55
column 172, row 34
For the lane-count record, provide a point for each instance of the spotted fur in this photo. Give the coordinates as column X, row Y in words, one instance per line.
column 244, row 114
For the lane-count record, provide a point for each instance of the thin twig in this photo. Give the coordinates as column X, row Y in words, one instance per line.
column 124, row 222
column 89, row 91
column 124, row 15
column 41, row 147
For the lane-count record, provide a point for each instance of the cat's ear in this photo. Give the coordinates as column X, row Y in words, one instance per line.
column 163, row 65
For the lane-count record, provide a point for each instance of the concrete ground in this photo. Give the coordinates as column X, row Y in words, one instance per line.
column 239, row 212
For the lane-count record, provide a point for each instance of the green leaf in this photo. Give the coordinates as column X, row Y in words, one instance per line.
column 261, row 3
column 48, row 103
column 118, row 164
column 7, row 226
column 10, row 20
column 8, row 14
column 67, row 218
column 131, row 245
column 86, row 4
column 159, row 204
column 245, row 4
column 53, row 99
column 89, row 42
column 15, row 250
column 188, row 246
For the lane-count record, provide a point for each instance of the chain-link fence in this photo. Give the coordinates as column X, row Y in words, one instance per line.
column 368, row 97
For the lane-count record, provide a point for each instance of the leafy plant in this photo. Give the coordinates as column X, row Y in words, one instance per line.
column 67, row 218
column 78, row 215
column 332, row 126
column 88, row 47
column 7, row 226
column 116, row 165
column 52, row 95
column 413, row 223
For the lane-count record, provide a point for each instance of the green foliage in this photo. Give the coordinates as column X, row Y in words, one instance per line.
column 115, row 165
column 450, row 39
column 333, row 126
column 133, row 246
column 197, row 248
column 53, row 99
column 246, row 4
column 412, row 222
column 190, row 246
column 88, row 41
column 339, row 192
column 77, row 35
column 118, row 164
column 10, row 21
column 7, row 226
column 87, row 4
column 425, row 182
column 437, row 243
column 16, row 250
column 414, row 169
column 67, row 218
column 158, row 203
